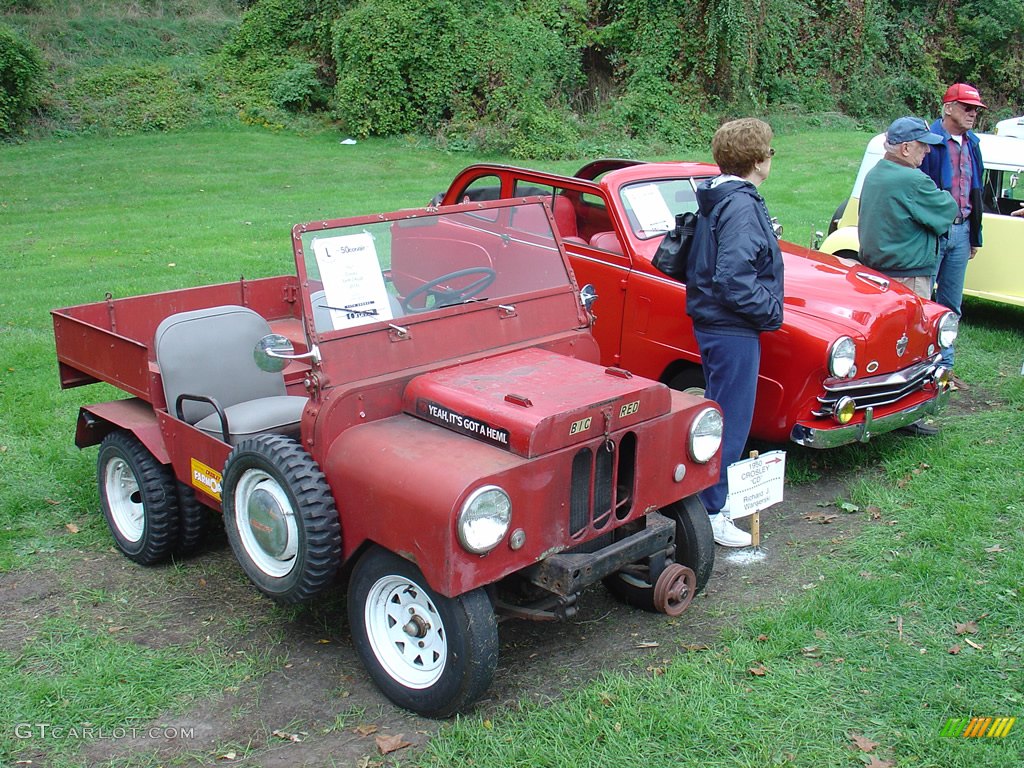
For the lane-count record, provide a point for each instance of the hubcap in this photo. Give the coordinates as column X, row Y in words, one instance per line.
column 266, row 523
column 124, row 499
column 405, row 632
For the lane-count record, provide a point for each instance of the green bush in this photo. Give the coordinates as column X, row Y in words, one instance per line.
column 21, row 69
column 130, row 99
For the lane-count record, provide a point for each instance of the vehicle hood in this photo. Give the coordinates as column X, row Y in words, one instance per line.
column 859, row 301
column 534, row 401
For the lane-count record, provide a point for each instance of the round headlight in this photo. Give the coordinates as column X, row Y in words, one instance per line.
column 841, row 357
column 484, row 519
column 949, row 327
column 705, row 435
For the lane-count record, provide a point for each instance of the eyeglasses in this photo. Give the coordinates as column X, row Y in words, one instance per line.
column 968, row 107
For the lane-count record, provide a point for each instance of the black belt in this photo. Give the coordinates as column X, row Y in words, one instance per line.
column 959, row 219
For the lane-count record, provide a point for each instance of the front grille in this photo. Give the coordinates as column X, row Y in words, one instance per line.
column 877, row 391
column 601, row 487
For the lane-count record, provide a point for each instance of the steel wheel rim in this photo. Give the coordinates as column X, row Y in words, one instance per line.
column 406, row 632
column 261, row 503
column 124, row 499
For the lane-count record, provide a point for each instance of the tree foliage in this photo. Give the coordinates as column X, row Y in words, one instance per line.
column 21, row 69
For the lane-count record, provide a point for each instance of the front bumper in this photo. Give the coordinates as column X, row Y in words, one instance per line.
column 567, row 573
column 834, row 436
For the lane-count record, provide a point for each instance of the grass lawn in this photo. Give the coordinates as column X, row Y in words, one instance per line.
column 918, row 620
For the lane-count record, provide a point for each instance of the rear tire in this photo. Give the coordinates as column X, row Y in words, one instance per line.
column 428, row 653
column 695, row 548
column 280, row 518
column 194, row 522
column 139, row 498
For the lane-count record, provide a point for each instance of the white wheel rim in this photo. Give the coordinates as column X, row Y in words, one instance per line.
column 124, row 499
column 695, row 391
column 266, row 523
column 406, row 632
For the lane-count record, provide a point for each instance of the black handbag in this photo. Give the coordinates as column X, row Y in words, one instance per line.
column 674, row 250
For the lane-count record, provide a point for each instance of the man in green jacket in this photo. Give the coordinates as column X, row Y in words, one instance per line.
column 902, row 214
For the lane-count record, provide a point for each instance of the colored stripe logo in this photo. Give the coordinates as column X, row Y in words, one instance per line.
column 978, row 727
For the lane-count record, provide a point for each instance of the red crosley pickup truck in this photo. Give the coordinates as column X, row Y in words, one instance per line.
column 857, row 354
column 421, row 398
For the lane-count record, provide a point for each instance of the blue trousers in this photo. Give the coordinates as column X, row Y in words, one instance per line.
column 730, row 364
column 954, row 254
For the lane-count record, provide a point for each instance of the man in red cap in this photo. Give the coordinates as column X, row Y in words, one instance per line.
column 955, row 165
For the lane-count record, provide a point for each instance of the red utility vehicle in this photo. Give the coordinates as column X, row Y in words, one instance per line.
column 857, row 354
column 422, row 399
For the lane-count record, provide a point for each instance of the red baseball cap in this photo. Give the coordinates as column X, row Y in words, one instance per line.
column 965, row 94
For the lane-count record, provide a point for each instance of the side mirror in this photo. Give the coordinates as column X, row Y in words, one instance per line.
column 776, row 227
column 273, row 352
column 817, row 239
column 588, row 295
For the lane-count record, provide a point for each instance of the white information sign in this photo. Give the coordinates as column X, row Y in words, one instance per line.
column 755, row 484
column 650, row 208
column 354, row 289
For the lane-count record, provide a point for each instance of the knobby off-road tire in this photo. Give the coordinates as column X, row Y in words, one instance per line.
column 139, row 498
column 695, row 548
column 280, row 518
column 194, row 521
column 428, row 653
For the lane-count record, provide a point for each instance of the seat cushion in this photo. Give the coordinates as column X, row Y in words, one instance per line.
column 279, row 415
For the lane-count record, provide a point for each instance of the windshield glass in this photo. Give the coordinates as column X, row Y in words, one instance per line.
column 400, row 265
column 651, row 206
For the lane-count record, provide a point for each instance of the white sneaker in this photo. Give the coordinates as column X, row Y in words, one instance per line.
column 727, row 534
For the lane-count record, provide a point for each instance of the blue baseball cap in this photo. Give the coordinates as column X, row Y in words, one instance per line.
column 910, row 129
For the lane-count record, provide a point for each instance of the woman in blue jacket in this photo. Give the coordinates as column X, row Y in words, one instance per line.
column 734, row 293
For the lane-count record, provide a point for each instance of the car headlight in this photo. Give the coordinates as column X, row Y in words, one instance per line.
column 949, row 327
column 841, row 357
column 705, row 435
column 484, row 519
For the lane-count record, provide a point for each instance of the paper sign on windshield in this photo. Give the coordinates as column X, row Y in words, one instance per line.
column 650, row 208
column 354, row 289
column 755, row 484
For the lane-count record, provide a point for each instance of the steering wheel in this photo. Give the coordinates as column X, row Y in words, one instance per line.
column 446, row 295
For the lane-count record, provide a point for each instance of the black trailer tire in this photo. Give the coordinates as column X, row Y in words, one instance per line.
column 280, row 518
column 194, row 521
column 430, row 654
column 695, row 548
column 139, row 498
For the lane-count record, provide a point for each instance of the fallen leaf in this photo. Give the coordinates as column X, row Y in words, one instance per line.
column 72, row 527
column 994, row 548
column 647, row 644
column 323, row 642
column 820, row 634
column 52, row 502
column 866, row 575
column 759, row 671
column 974, row 645
column 969, row 627
column 227, row 756
column 112, row 630
column 388, row 744
column 811, row 652
column 954, row 649
column 606, row 698
column 863, row 744
column 287, row 736
column 849, row 508
column 762, row 638
column 366, row 730
column 874, row 511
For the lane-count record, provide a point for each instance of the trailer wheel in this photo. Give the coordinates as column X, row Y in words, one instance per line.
column 428, row 653
column 695, row 549
column 194, row 521
column 138, row 497
column 280, row 518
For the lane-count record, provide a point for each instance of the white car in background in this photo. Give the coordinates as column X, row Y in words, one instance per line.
column 995, row 273
column 1013, row 126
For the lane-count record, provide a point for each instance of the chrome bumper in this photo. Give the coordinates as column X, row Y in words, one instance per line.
column 831, row 437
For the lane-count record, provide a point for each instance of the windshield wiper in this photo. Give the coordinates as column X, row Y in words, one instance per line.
column 366, row 312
